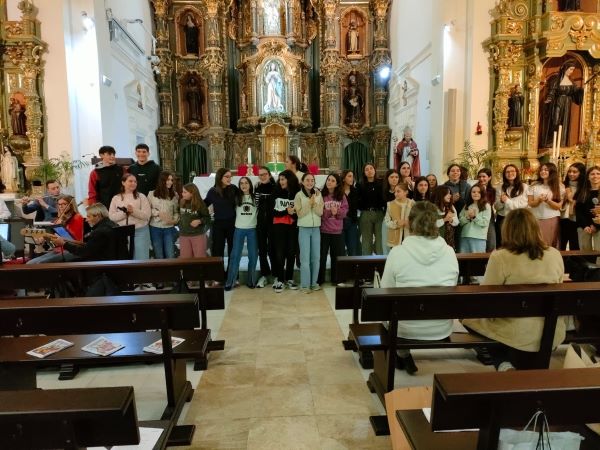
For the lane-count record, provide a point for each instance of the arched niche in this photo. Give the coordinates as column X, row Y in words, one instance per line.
column 275, row 143
column 193, row 158
column 573, row 121
column 190, row 27
column 192, row 101
column 274, row 87
column 355, row 156
column 353, row 33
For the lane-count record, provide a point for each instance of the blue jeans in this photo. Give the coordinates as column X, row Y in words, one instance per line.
column 309, row 239
column 351, row 239
column 141, row 248
column 472, row 245
column 163, row 242
column 233, row 267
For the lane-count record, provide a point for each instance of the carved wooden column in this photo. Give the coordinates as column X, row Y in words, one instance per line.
column 212, row 64
column 380, row 59
column 24, row 48
column 164, row 69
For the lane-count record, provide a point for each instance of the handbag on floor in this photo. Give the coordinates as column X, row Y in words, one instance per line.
column 537, row 436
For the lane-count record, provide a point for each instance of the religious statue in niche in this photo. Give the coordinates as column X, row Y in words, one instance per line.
column 271, row 17
column 569, row 5
column 407, row 150
column 190, row 32
column 515, row 107
column 194, row 99
column 18, row 120
column 353, row 101
column 557, row 109
column 273, row 88
column 352, row 37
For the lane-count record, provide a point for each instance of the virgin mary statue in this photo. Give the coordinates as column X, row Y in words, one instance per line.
column 274, row 90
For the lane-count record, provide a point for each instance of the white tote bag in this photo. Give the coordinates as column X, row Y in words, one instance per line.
column 534, row 438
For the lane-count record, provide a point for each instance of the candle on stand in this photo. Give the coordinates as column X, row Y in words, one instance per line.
column 249, row 155
column 558, row 140
column 553, row 155
column 273, row 148
column 299, row 154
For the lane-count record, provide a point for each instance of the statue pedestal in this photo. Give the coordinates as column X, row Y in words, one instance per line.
column 276, row 167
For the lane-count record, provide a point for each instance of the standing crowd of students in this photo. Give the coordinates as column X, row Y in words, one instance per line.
column 290, row 221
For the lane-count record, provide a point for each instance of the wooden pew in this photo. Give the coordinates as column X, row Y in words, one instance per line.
column 357, row 268
column 68, row 418
column 124, row 274
column 490, row 401
column 123, row 319
column 548, row 301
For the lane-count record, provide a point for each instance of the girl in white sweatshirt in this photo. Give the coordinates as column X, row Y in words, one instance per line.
column 131, row 207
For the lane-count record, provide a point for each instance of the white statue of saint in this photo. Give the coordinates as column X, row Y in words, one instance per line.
column 274, row 90
column 271, row 16
column 9, row 170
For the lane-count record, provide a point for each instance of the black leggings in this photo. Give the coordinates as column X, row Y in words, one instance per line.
column 285, row 240
column 222, row 231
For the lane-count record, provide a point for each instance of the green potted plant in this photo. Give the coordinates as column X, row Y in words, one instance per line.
column 474, row 160
column 61, row 168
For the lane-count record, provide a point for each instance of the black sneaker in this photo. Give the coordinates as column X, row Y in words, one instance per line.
column 291, row 285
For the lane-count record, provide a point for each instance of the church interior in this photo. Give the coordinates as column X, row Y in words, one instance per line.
column 339, row 84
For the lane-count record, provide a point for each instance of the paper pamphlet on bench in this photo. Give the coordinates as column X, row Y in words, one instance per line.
column 102, row 346
column 50, row 348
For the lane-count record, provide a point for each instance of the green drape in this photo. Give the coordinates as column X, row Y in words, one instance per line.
column 193, row 159
column 356, row 155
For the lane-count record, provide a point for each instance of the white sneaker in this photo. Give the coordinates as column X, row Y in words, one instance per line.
column 305, row 290
column 505, row 366
column 291, row 285
column 316, row 287
column 278, row 287
column 262, row 281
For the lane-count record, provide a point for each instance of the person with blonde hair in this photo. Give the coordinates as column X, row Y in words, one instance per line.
column 525, row 258
column 423, row 259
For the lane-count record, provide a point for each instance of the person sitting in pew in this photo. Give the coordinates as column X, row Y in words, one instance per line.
column 423, row 259
column 100, row 244
column 7, row 248
column 523, row 259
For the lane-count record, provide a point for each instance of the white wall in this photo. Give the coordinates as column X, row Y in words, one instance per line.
column 440, row 38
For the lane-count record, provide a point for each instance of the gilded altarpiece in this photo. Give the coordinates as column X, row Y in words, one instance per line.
column 544, row 86
column 21, row 118
column 269, row 78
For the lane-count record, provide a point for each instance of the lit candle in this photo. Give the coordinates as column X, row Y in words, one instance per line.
column 249, row 155
column 558, row 140
column 299, row 154
column 554, row 145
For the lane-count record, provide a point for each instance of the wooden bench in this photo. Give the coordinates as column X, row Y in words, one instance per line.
column 358, row 268
column 490, row 401
column 394, row 304
column 123, row 319
column 68, row 418
column 79, row 275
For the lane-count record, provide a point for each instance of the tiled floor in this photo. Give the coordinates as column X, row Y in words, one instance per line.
column 283, row 381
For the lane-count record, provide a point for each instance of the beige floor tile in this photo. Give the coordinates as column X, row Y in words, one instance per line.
column 279, row 323
column 221, row 434
column 343, row 399
column 282, row 306
column 281, row 354
column 319, row 338
column 232, row 356
column 349, row 432
column 289, row 433
column 334, row 369
column 326, row 321
column 236, row 321
column 241, row 338
column 239, row 375
column 286, row 374
column 283, row 336
column 219, row 403
column 274, row 401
